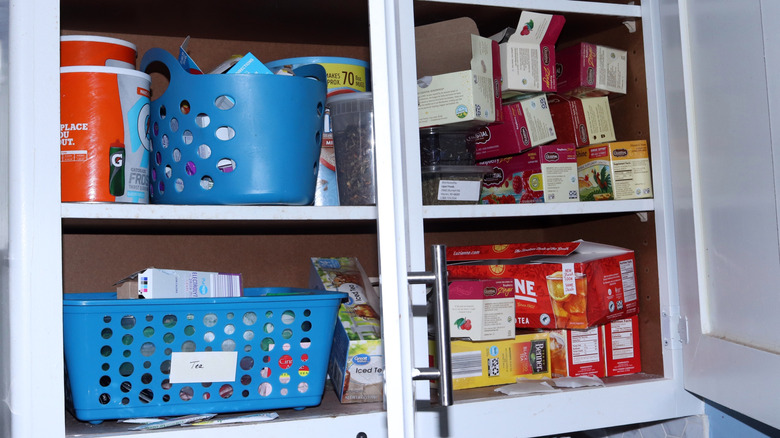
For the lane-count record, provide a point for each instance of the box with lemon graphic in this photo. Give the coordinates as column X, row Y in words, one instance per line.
column 572, row 285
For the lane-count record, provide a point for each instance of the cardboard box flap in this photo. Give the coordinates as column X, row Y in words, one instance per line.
column 133, row 276
column 523, row 253
column 444, row 47
column 535, row 28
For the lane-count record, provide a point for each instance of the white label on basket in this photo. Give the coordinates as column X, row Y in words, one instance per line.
column 203, row 366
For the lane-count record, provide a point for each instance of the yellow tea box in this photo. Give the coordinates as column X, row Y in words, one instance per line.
column 488, row 363
column 619, row 170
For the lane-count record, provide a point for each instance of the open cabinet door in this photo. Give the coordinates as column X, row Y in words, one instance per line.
column 730, row 252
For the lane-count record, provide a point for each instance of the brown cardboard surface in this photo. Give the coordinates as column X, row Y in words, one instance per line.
column 444, row 47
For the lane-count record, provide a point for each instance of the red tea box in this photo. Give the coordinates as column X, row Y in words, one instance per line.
column 587, row 69
column 621, row 347
column 546, row 173
column 482, row 310
column 573, row 285
column 619, row 170
column 528, row 54
column 526, row 124
column 582, row 121
column 576, row 353
column 488, row 363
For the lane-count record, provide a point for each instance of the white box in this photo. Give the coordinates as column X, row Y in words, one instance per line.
column 170, row 283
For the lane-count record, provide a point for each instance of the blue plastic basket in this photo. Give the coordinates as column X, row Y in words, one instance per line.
column 119, row 353
column 235, row 138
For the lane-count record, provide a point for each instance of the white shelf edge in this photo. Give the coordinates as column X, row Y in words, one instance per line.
column 214, row 212
column 559, row 6
column 550, row 209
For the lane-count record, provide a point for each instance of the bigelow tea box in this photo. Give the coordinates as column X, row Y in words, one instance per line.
column 356, row 363
column 621, row 347
column 482, row 310
column 581, row 121
column 488, row 363
column 525, row 124
column 173, row 283
column 619, row 170
column 528, row 54
column 587, row 69
column 557, row 285
column 457, row 81
column 546, row 173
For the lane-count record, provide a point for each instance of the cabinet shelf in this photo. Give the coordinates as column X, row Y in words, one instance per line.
column 512, row 210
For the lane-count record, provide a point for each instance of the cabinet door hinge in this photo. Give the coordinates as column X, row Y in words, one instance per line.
column 674, row 329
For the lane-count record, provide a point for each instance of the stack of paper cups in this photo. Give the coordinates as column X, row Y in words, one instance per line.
column 104, row 122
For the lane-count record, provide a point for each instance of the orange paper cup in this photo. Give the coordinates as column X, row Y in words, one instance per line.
column 78, row 50
column 104, row 134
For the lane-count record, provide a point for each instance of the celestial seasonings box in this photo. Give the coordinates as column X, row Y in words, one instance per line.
column 482, row 310
column 619, row 170
column 174, row 283
column 488, row 363
column 557, row 285
column 525, row 124
column 582, row 121
column 546, row 173
column 457, row 80
column 528, row 54
column 587, row 69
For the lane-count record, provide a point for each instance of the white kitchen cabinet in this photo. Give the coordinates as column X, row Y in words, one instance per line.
column 49, row 247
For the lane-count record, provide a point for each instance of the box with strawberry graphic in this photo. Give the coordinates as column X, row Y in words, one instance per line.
column 546, row 173
column 528, row 54
column 482, row 310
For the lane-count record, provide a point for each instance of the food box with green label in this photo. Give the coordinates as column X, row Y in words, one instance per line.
column 546, row 173
column 619, row 170
column 356, row 363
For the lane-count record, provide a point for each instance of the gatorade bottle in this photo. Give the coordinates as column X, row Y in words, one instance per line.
column 116, row 179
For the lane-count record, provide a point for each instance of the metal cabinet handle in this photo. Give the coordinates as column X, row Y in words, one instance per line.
column 438, row 278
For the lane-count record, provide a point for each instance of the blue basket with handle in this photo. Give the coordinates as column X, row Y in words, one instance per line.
column 268, row 349
column 235, row 138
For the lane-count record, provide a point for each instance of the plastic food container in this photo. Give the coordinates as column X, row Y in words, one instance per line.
column 352, row 119
column 447, row 146
column 128, row 358
column 452, row 185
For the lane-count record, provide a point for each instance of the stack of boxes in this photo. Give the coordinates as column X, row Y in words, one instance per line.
column 537, row 119
column 574, row 312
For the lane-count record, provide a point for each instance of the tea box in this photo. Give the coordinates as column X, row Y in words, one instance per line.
column 619, row 170
column 573, row 285
column 546, row 173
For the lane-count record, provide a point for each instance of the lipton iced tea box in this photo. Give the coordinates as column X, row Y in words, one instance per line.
column 621, row 347
column 577, row 352
column 488, row 363
column 557, row 285
column 619, row 170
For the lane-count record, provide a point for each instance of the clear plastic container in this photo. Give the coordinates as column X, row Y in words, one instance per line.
column 352, row 120
column 444, row 145
column 452, row 185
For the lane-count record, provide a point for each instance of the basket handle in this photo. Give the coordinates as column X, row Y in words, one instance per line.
column 157, row 54
column 312, row 71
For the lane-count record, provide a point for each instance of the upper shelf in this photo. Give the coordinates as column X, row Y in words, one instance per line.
column 73, row 213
